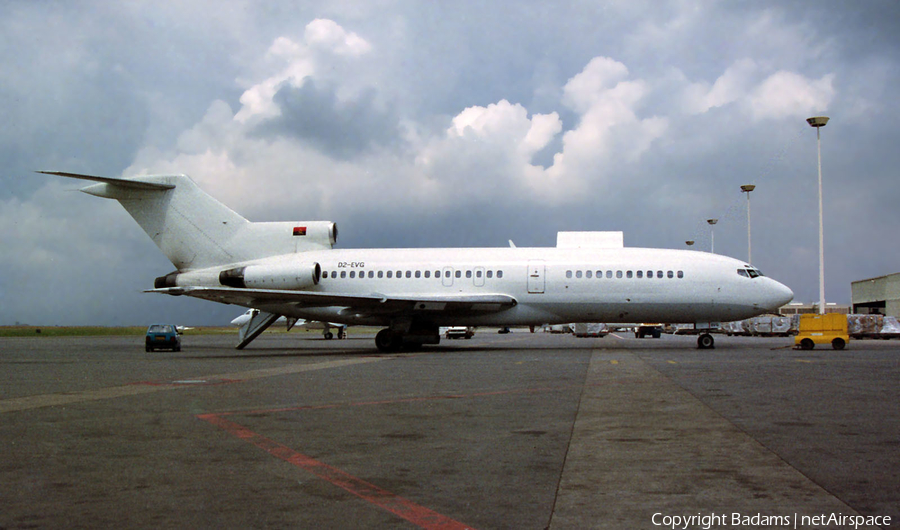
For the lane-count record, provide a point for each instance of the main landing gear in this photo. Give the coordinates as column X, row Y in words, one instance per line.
column 706, row 342
column 387, row 341
column 341, row 333
column 406, row 335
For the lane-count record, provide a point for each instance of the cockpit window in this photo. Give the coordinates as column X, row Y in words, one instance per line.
column 749, row 272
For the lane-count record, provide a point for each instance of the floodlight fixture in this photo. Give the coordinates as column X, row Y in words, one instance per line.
column 747, row 188
column 712, row 235
column 818, row 122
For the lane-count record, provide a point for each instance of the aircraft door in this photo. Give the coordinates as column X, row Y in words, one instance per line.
column 536, row 269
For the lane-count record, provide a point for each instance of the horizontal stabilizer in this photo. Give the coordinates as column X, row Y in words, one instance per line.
column 134, row 183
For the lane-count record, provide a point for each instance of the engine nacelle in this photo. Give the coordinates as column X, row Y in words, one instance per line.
column 290, row 276
column 324, row 231
column 169, row 280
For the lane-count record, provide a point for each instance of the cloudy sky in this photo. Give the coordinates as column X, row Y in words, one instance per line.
column 422, row 124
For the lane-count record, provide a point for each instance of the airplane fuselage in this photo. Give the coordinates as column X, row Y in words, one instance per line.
column 550, row 285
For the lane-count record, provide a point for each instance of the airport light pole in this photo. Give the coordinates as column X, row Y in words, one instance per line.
column 712, row 235
column 818, row 122
column 747, row 188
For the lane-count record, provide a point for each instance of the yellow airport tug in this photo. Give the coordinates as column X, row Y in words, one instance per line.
column 815, row 329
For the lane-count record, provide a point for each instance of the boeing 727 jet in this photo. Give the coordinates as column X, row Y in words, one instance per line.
column 291, row 269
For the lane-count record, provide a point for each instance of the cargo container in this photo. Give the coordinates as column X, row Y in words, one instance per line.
column 590, row 329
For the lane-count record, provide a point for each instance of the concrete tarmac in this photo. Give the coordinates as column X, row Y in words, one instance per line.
column 500, row 431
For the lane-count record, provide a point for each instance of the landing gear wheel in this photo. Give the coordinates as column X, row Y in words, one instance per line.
column 329, row 335
column 706, row 342
column 387, row 341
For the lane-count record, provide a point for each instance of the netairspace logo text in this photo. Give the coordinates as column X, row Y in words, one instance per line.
column 710, row 520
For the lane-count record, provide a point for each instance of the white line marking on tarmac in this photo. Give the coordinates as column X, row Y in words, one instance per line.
column 67, row 398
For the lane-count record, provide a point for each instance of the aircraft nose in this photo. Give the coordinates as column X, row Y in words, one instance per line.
column 778, row 295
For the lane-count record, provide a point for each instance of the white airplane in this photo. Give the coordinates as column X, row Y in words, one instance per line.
column 244, row 319
column 291, row 269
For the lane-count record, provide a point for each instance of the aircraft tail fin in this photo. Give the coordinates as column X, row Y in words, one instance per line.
column 191, row 228
column 196, row 231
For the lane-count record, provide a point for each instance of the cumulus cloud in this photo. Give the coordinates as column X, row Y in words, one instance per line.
column 786, row 94
column 731, row 86
column 299, row 125
column 324, row 41
column 282, row 145
column 497, row 143
column 609, row 127
column 486, row 152
column 782, row 94
column 329, row 35
column 503, row 123
column 310, row 120
column 591, row 86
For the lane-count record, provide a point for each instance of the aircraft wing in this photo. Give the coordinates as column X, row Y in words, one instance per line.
column 371, row 304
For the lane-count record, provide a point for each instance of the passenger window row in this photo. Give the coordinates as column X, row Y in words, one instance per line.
column 624, row 274
column 477, row 273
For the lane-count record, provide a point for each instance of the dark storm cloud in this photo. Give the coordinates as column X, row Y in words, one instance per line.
column 313, row 113
column 86, row 86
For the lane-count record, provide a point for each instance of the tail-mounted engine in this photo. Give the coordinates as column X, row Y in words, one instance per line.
column 280, row 276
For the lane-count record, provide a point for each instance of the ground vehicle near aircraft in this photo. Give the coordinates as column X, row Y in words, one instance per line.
column 815, row 329
column 459, row 332
column 291, row 269
column 648, row 330
column 162, row 337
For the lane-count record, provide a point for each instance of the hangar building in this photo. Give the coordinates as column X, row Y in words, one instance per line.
column 877, row 295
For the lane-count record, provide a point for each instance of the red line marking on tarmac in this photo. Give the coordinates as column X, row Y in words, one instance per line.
column 404, row 508
column 382, row 498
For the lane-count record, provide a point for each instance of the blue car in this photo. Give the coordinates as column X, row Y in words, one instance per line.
column 163, row 337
